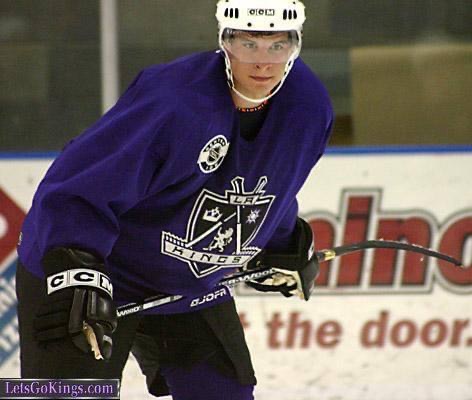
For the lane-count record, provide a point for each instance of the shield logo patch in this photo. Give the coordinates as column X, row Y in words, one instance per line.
column 221, row 228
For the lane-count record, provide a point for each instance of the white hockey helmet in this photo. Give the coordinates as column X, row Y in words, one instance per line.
column 239, row 16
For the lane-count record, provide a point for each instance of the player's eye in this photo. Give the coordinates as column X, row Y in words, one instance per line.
column 278, row 46
column 249, row 45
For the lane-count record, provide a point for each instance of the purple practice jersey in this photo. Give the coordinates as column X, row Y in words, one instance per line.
column 165, row 189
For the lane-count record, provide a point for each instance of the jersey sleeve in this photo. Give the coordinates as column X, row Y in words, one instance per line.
column 284, row 238
column 100, row 175
column 320, row 147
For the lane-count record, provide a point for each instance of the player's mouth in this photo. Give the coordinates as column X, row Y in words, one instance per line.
column 261, row 79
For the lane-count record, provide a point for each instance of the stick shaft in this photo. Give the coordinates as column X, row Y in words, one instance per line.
column 322, row 256
column 161, row 300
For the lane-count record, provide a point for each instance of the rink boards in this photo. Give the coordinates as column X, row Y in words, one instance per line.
column 382, row 324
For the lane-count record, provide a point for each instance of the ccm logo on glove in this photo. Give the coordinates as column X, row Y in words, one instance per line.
column 79, row 277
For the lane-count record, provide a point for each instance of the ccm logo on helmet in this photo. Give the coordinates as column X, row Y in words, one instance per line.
column 79, row 277
column 268, row 12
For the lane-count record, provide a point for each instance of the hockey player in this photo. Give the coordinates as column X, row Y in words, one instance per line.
column 192, row 175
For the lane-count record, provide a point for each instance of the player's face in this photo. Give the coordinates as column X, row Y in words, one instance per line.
column 256, row 80
column 258, row 62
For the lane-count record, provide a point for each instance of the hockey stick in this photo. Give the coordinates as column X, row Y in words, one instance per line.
column 322, row 256
column 159, row 300
column 326, row 255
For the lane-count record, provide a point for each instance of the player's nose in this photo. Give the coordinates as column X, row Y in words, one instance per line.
column 263, row 66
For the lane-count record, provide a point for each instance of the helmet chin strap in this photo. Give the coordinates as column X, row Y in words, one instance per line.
column 229, row 75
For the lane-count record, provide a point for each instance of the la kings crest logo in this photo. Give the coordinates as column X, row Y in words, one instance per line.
column 221, row 228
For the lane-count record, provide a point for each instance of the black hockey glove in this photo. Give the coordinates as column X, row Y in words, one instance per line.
column 296, row 273
column 79, row 303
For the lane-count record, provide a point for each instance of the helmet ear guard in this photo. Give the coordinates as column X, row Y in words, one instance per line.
column 260, row 16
